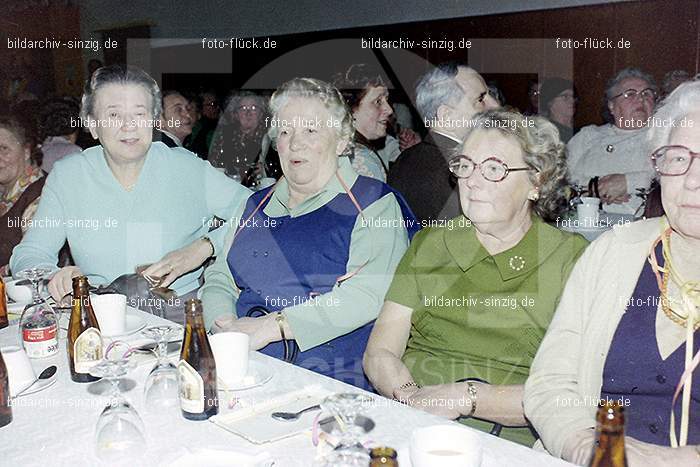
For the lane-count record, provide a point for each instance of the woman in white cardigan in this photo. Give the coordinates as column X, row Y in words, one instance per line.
column 627, row 323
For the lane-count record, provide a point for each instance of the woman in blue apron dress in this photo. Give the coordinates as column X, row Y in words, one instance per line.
column 311, row 257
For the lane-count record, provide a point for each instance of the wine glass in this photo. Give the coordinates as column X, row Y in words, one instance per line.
column 119, row 433
column 577, row 191
column 345, row 456
column 345, row 408
column 642, row 193
column 161, row 390
column 38, row 323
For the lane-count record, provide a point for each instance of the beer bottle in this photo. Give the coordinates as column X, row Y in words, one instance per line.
column 4, row 322
column 5, row 409
column 84, row 336
column 383, row 456
column 609, row 449
column 196, row 369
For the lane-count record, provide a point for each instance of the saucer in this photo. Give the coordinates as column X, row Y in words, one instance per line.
column 134, row 323
column 16, row 308
column 258, row 374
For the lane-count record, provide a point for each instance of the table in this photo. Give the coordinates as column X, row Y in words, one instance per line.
column 55, row 427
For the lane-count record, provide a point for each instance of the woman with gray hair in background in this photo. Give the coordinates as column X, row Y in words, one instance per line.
column 471, row 300
column 628, row 324
column 129, row 201
column 311, row 260
column 611, row 160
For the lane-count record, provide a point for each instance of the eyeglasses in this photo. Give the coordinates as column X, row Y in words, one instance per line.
column 647, row 93
column 673, row 160
column 493, row 169
column 247, row 108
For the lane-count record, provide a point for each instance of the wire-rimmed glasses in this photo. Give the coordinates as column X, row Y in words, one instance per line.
column 673, row 160
column 646, row 93
column 493, row 169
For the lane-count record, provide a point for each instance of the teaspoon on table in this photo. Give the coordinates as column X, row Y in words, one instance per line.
column 46, row 374
column 291, row 416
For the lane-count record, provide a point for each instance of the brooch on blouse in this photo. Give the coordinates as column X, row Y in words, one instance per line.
column 516, row 263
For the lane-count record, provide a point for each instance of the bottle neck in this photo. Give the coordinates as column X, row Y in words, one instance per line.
column 81, row 289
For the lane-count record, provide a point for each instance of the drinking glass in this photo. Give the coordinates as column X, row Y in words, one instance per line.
column 577, row 191
column 642, row 193
column 119, row 433
column 345, row 407
column 160, row 390
column 345, row 456
column 38, row 323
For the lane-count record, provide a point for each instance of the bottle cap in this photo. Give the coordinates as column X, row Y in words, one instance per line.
column 382, row 452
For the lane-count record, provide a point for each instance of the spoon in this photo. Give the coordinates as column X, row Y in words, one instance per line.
column 46, row 374
column 291, row 416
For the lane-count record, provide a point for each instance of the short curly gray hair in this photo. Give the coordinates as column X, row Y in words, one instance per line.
column 312, row 88
column 118, row 74
column 542, row 150
column 438, row 87
column 611, row 89
column 684, row 100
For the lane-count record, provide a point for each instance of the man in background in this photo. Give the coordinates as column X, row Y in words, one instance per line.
column 447, row 97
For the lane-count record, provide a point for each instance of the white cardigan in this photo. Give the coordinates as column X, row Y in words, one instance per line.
column 562, row 392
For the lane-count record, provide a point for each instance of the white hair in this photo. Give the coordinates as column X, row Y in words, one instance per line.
column 438, row 87
column 684, row 100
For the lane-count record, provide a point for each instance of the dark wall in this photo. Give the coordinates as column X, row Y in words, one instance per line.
column 663, row 35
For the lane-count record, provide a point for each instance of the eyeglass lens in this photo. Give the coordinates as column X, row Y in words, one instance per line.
column 674, row 160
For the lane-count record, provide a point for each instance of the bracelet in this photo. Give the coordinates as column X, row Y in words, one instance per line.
column 280, row 322
column 410, row 384
column 208, row 240
column 471, row 395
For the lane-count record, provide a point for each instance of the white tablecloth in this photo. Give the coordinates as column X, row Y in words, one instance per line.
column 55, row 427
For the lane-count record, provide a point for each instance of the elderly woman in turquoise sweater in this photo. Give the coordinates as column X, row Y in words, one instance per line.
column 129, row 201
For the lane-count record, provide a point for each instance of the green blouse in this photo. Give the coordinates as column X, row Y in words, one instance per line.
column 476, row 315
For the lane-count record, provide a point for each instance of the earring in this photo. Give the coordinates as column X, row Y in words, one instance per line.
column 534, row 196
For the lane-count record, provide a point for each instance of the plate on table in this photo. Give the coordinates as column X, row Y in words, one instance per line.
column 255, row 423
column 134, row 323
column 258, row 374
column 16, row 308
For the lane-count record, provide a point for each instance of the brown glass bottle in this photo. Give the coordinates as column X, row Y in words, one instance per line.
column 609, row 449
column 84, row 336
column 196, row 369
column 4, row 322
column 5, row 409
column 383, row 456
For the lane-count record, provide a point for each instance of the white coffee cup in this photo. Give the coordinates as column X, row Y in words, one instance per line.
column 446, row 446
column 110, row 310
column 587, row 212
column 19, row 369
column 18, row 293
column 231, row 355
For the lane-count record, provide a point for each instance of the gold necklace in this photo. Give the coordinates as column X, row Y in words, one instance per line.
column 667, row 271
column 666, row 307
